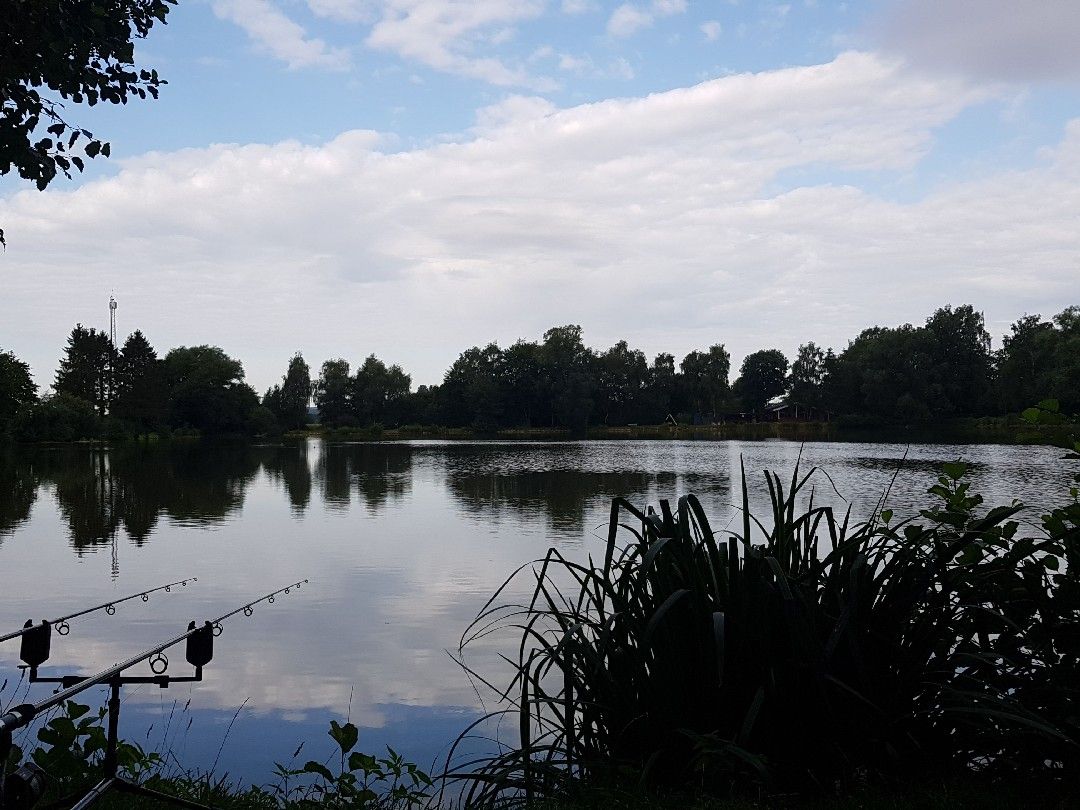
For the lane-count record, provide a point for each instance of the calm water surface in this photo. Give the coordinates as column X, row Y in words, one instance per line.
column 402, row 544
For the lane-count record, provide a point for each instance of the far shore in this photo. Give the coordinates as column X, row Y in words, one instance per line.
column 986, row 430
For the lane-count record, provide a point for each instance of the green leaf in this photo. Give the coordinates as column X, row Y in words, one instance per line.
column 345, row 736
column 886, row 515
column 75, row 710
column 311, row 766
column 955, row 469
column 359, row 761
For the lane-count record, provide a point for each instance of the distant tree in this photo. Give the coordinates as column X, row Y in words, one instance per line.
column 662, row 391
column 141, row 395
column 807, row 381
column 762, row 377
column 1067, row 363
column 333, row 391
column 18, row 391
column 421, row 407
column 1041, row 360
column 271, row 401
column 521, row 383
column 961, row 370
column 289, row 401
column 705, row 378
column 59, row 418
column 622, row 375
column 207, row 391
column 1026, row 362
column 379, row 391
column 472, row 389
column 566, row 377
column 81, row 51
column 86, row 368
column 887, row 374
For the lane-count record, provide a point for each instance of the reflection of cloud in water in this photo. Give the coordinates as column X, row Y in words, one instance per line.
column 403, row 543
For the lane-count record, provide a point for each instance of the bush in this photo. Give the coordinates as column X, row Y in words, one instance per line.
column 75, row 740
column 59, row 418
column 799, row 655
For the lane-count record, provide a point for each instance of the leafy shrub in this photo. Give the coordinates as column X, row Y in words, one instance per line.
column 800, row 654
column 73, row 749
column 361, row 779
column 59, row 418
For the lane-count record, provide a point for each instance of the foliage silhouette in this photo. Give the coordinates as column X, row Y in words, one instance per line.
column 801, row 652
column 82, row 52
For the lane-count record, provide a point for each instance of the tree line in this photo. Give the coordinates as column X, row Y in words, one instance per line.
column 906, row 374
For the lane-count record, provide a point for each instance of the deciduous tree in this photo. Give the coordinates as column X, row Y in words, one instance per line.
column 762, row 377
column 207, row 390
column 705, row 378
column 807, row 379
column 333, row 392
column 53, row 52
column 18, row 391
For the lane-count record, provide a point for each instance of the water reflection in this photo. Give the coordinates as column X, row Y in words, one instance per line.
column 378, row 473
column 289, row 466
column 18, row 490
column 402, row 542
column 565, row 485
column 99, row 491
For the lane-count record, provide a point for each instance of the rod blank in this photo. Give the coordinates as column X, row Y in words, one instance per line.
column 20, row 716
column 109, row 607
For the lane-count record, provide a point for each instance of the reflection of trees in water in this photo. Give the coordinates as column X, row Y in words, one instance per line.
column 556, row 481
column 564, row 496
column 378, row 472
column 287, row 465
column 99, row 490
column 18, row 489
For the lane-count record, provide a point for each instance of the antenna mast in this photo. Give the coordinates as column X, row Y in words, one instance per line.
column 112, row 320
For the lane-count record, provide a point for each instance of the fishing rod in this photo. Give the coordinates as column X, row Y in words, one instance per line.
column 61, row 622
column 26, row 784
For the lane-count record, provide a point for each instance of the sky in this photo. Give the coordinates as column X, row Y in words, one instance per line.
column 413, row 177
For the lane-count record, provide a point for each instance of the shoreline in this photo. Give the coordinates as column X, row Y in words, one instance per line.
column 983, row 430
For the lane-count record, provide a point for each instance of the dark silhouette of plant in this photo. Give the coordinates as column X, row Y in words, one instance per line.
column 82, row 52
column 797, row 655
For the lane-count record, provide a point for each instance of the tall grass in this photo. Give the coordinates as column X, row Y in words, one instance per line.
column 800, row 653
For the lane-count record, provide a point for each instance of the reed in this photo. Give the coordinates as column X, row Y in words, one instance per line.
column 801, row 653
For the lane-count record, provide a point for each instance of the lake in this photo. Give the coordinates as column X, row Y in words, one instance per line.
column 402, row 543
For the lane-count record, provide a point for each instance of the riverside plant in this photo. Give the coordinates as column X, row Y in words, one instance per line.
column 73, row 744
column 800, row 654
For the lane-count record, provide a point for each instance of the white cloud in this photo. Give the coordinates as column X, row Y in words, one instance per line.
column 280, row 36
column 444, row 34
column 578, row 6
column 627, row 20
column 463, row 37
column 574, row 64
column 666, row 8
column 541, row 216
column 343, row 10
column 998, row 40
column 711, row 29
